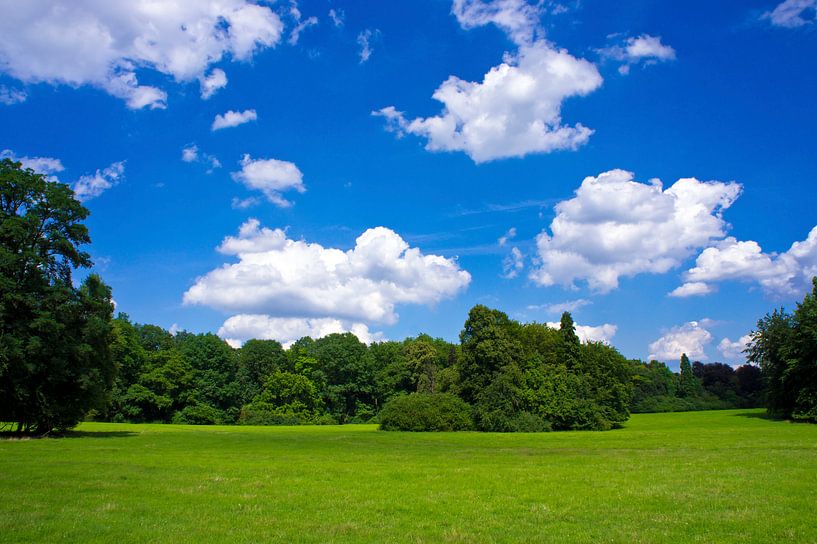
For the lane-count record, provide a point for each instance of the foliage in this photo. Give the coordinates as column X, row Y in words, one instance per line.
column 785, row 347
column 55, row 338
column 426, row 412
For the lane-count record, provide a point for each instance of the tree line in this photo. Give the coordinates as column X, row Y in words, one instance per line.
column 64, row 357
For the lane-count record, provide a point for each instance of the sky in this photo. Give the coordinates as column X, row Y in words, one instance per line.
column 281, row 169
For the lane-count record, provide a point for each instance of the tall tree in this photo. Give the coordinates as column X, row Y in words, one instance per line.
column 688, row 384
column 55, row 359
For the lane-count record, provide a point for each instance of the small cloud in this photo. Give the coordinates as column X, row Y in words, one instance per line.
column 42, row 165
column 244, row 203
column 91, row 186
column 300, row 25
column 337, row 16
column 734, row 351
column 690, row 338
column 190, row 153
column 561, row 307
column 10, row 96
column 513, row 264
column 233, row 119
column 364, row 41
column 507, row 236
column 645, row 50
column 212, row 83
column 792, row 13
column 691, row 289
column 271, row 177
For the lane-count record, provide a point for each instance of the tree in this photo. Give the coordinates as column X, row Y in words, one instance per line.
column 785, row 347
column 55, row 359
column 688, row 384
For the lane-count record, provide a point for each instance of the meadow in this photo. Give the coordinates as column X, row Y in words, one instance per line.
column 720, row 476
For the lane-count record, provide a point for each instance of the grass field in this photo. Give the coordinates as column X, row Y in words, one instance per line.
column 729, row 476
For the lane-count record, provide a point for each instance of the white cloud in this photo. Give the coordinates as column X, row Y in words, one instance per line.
column 691, row 289
column 690, row 338
column 271, row 177
column 103, row 43
column 514, row 111
column 733, row 351
column 280, row 277
column 300, row 24
column 561, row 307
column 10, row 96
column 212, row 83
column 644, row 49
column 780, row 275
column 513, row 263
column 793, row 13
column 337, row 16
column 190, row 153
column 587, row 333
column 91, row 186
column 233, row 119
column 364, row 41
column 42, row 165
column 517, row 18
column 507, row 236
column 244, row 203
column 617, row 227
column 240, row 328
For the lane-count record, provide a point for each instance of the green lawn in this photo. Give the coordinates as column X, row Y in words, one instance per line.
column 728, row 476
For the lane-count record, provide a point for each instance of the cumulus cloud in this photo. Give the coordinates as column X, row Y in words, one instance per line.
column 617, row 227
column 780, row 275
column 513, row 263
column 280, row 277
column 10, row 96
column 792, row 13
column 733, row 351
column 690, row 338
column 644, row 49
column 233, row 119
column 691, row 289
column 516, row 109
column 190, row 153
column 244, row 203
column 212, row 83
column 42, row 165
column 91, row 186
column 240, row 328
column 561, row 307
column 271, row 177
column 364, row 42
column 587, row 333
column 103, row 44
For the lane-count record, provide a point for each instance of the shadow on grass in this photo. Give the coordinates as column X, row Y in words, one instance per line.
column 68, row 434
column 757, row 415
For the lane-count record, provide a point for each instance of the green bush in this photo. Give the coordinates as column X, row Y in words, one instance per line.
column 426, row 412
column 198, row 414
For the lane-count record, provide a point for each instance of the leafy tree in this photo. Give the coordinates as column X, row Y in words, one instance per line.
column 785, row 347
column 688, row 384
column 421, row 359
column 257, row 360
column 55, row 358
column 349, row 369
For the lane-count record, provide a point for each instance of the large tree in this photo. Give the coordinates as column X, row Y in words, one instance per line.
column 55, row 359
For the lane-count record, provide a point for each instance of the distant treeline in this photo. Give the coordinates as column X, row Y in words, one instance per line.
column 502, row 376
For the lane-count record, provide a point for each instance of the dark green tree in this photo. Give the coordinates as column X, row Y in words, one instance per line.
column 55, row 358
column 688, row 384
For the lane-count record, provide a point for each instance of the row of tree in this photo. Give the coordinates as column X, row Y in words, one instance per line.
column 64, row 357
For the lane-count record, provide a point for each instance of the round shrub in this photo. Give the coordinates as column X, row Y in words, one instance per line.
column 198, row 414
column 426, row 412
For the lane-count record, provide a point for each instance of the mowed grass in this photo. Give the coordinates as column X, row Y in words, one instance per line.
column 727, row 476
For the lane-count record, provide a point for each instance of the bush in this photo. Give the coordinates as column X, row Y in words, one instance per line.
column 426, row 412
column 262, row 413
column 198, row 414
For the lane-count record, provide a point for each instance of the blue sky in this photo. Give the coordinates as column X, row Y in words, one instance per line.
column 524, row 185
